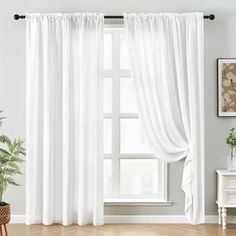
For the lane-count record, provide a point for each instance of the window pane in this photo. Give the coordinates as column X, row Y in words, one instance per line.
column 107, row 95
column 107, row 135
column 124, row 55
column 138, row 176
column 127, row 96
column 132, row 139
column 107, row 176
column 107, row 51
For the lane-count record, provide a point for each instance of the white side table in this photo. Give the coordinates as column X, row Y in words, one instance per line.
column 226, row 194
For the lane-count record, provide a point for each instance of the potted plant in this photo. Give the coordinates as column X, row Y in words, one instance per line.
column 231, row 141
column 11, row 154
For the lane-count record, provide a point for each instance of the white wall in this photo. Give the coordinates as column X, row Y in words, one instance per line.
column 220, row 41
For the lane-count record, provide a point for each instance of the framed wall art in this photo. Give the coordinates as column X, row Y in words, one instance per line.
column 226, row 83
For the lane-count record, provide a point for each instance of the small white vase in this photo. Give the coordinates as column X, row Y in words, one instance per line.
column 231, row 161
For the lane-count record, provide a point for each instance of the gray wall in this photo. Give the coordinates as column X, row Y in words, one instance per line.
column 220, row 41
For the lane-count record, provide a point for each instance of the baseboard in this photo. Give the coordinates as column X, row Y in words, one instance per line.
column 160, row 219
column 142, row 219
column 145, row 219
column 213, row 219
column 17, row 219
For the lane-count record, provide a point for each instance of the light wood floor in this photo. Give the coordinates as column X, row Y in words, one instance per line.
column 122, row 230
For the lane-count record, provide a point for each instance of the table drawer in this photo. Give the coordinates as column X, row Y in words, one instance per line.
column 230, row 182
column 230, row 197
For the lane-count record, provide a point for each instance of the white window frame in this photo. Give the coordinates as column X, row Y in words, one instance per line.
column 119, row 199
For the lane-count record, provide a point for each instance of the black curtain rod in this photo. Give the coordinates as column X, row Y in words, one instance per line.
column 210, row 17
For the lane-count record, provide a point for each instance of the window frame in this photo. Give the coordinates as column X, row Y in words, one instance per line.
column 115, row 74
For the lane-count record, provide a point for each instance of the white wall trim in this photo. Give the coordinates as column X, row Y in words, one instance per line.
column 17, row 219
column 160, row 219
column 135, row 202
column 145, row 219
column 142, row 219
column 213, row 219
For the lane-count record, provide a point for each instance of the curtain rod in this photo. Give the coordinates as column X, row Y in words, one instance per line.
column 210, row 17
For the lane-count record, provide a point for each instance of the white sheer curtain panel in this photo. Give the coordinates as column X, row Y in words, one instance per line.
column 166, row 52
column 64, row 175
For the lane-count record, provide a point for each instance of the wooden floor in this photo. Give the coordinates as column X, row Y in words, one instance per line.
column 122, row 230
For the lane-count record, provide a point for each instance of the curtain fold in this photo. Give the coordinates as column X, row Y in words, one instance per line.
column 166, row 53
column 64, row 165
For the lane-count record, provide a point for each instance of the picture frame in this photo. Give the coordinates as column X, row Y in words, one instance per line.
column 226, row 87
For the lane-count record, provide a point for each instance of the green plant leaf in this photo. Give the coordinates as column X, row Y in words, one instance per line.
column 11, row 154
column 5, row 151
column 5, row 139
column 231, row 139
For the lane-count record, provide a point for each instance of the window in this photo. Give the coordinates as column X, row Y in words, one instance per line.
column 131, row 172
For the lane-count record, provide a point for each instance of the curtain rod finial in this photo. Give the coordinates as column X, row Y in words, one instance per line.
column 211, row 16
column 16, row 17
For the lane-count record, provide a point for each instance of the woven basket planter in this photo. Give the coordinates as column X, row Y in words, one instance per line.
column 5, row 214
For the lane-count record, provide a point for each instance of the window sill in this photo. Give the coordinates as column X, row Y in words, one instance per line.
column 136, row 202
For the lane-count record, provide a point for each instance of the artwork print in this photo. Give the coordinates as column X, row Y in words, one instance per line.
column 226, row 87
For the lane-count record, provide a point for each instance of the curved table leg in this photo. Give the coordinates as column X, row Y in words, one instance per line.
column 220, row 216
column 224, row 214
